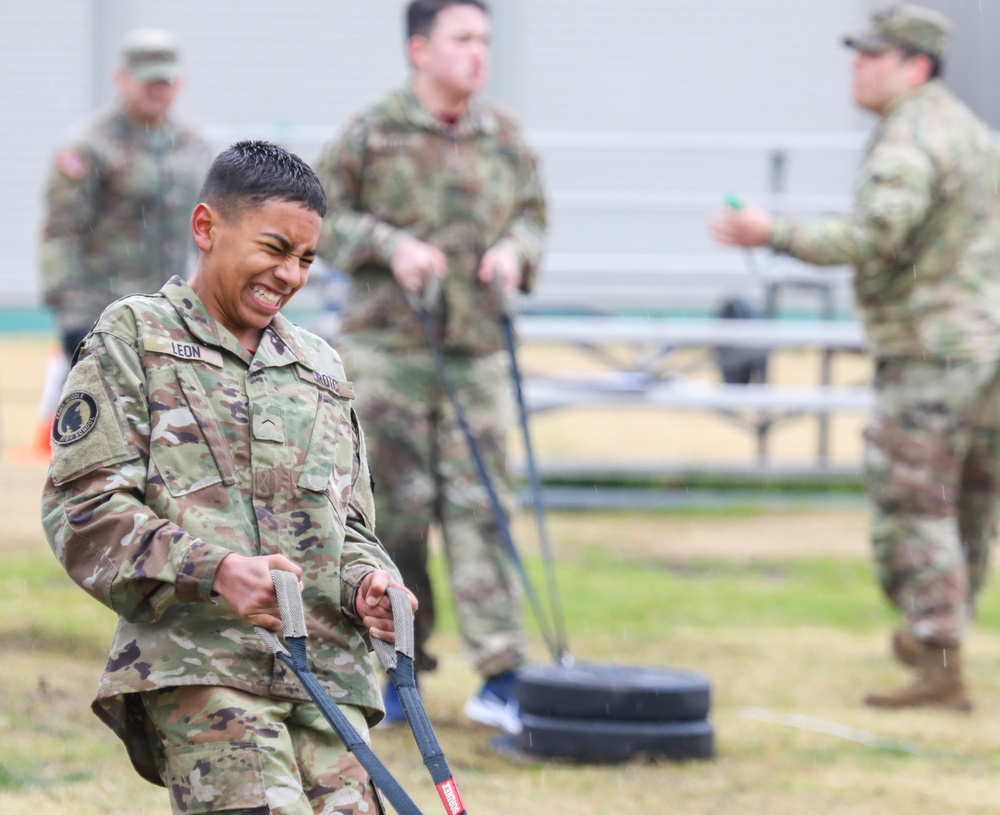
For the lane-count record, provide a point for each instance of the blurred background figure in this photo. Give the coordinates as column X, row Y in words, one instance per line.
column 924, row 241
column 120, row 193
column 432, row 182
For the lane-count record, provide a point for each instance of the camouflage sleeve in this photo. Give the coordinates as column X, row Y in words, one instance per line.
column 525, row 233
column 93, row 514
column 351, row 236
column 362, row 550
column 895, row 195
column 71, row 200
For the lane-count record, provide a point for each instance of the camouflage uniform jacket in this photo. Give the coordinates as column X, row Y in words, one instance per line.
column 119, row 203
column 178, row 447
column 924, row 236
column 397, row 172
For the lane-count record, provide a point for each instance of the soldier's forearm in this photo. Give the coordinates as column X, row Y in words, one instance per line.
column 353, row 239
column 826, row 242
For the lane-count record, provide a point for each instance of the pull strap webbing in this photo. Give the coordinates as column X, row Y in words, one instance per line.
column 295, row 656
column 298, row 661
column 537, row 497
column 422, row 306
column 398, row 664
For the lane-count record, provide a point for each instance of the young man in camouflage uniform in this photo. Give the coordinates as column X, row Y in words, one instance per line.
column 434, row 182
column 203, row 440
column 924, row 240
column 120, row 194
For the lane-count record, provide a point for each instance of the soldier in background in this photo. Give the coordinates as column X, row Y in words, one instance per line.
column 120, row 194
column 434, row 182
column 202, row 441
column 924, row 241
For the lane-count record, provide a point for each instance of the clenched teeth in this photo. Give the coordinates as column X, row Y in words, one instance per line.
column 266, row 296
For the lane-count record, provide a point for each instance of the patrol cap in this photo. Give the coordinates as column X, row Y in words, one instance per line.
column 150, row 55
column 911, row 28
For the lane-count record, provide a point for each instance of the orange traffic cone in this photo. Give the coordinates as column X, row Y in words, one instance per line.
column 40, row 449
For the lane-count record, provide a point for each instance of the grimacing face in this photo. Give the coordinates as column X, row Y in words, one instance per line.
column 253, row 262
column 456, row 53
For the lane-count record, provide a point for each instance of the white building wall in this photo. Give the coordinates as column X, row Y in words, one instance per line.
column 295, row 70
column 45, row 87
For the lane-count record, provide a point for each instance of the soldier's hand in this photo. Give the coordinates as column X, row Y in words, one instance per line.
column 245, row 583
column 373, row 605
column 414, row 261
column 502, row 262
column 749, row 227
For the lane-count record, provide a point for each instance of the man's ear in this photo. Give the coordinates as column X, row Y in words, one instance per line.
column 415, row 50
column 921, row 69
column 204, row 225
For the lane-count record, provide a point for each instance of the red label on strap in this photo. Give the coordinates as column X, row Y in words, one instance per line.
column 448, row 791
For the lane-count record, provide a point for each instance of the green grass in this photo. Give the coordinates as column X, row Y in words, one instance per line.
column 42, row 609
column 607, row 595
column 803, row 635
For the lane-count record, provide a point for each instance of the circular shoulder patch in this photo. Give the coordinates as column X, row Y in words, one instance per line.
column 75, row 418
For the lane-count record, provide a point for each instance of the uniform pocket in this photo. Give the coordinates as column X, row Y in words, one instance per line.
column 219, row 777
column 330, row 457
column 185, row 442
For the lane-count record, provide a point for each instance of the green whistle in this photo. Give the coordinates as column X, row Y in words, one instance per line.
column 733, row 201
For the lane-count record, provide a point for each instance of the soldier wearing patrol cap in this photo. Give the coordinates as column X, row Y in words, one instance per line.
column 924, row 241
column 203, row 440
column 120, row 193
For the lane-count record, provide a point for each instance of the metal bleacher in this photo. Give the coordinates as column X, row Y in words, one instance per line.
column 658, row 303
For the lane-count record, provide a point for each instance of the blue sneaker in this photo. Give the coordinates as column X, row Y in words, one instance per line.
column 393, row 707
column 496, row 704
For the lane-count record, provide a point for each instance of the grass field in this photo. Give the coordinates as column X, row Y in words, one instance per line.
column 779, row 609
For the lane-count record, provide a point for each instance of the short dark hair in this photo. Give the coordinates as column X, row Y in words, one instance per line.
column 937, row 67
column 250, row 173
column 422, row 14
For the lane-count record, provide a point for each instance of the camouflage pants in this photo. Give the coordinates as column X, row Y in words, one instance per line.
column 932, row 467
column 424, row 473
column 231, row 751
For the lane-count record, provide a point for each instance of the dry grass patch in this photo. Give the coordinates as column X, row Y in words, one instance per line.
column 779, row 609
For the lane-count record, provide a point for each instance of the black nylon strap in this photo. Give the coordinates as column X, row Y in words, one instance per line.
column 298, row 661
column 499, row 518
column 537, row 499
column 423, row 733
column 398, row 662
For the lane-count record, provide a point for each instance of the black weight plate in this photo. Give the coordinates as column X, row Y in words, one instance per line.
column 589, row 740
column 613, row 692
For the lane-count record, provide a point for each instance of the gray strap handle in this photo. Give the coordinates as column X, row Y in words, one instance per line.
column 293, row 614
column 506, row 303
column 402, row 617
column 427, row 298
column 293, row 620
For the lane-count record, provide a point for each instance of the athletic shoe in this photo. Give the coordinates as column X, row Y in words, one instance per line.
column 496, row 704
column 393, row 707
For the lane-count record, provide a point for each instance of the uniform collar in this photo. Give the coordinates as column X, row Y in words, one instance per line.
column 477, row 118
column 279, row 345
column 929, row 89
column 128, row 126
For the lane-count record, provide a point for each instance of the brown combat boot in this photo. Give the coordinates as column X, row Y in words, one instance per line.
column 907, row 648
column 938, row 682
